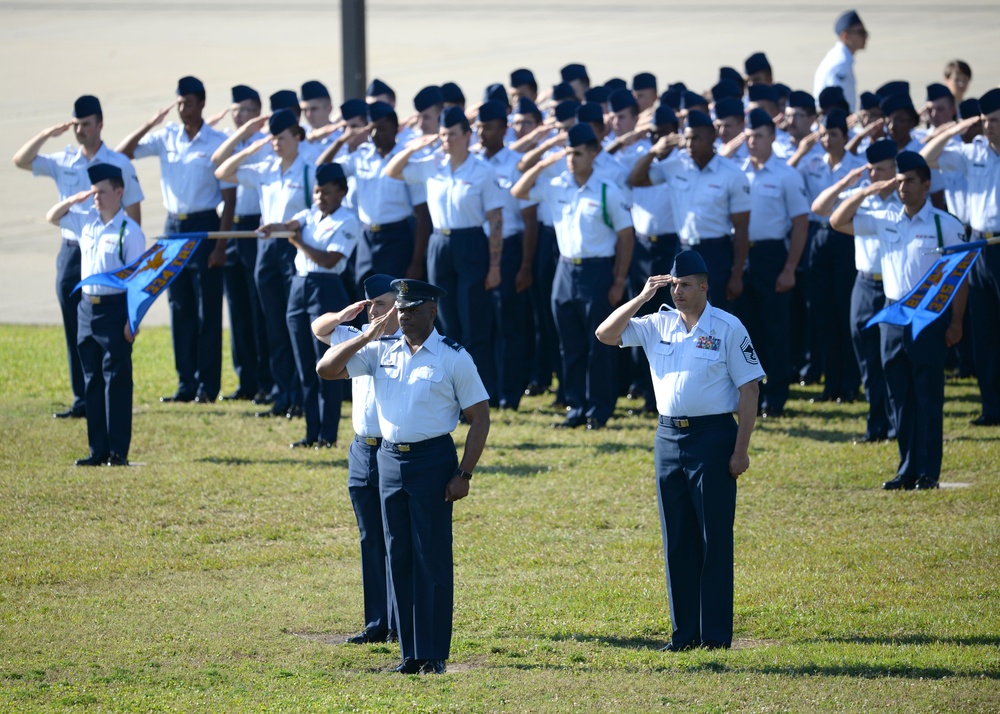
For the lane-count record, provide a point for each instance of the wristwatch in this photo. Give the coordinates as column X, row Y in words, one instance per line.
column 464, row 474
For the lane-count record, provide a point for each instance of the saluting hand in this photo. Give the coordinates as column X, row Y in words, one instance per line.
column 217, row 117
column 351, row 311
column 161, row 115
column 880, row 186
column 378, row 326
column 59, row 129
column 855, row 175
column 874, row 128
column 654, row 284
column 83, row 195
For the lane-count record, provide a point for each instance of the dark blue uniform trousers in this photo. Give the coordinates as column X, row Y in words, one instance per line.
column 106, row 360
column 511, row 320
column 67, row 276
column 718, row 255
column 385, row 249
column 831, row 280
column 867, row 298
column 697, row 497
column 546, row 359
column 363, row 486
column 580, row 304
column 247, row 332
column 914, row 375
column 984, row 305
column 196, row 312
column 313, row 295
column 652, row 255
column 419, row 542
column 458, row 263
column 273, row 276
column 766, row 315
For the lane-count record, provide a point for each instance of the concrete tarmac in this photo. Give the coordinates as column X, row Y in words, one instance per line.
column 130, row 54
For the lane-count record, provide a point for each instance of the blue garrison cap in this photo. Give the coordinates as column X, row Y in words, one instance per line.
column 522, row 76
column 616, row 83
column 452, row 93
column 86, row 106
column 597, row 94
column 759, row 118
column 281, row 120
column 284, row 99
column 896, row 86
column 969, row 108
column 377, row 87
column 567, row 110
column 664, row 115
column 897, row 102
column 729, row 107
column 693, row 99
column 526, row 106
column 580, row 134
column 242, row 93
column 688, row 262
column 881, row 150
column 802, row 100
column 427, row 98
column 492, row 111
column 189, row 85
column 846, row 21
column 379, row 110
column 574, row 71
column 672, row 98
column 325, row 173
column 644, row 80
column 378, row 284
column 590, row 112
column 562, row 91
column 496, row 93
column 908, row 161
column 726, row 88
column 730, row 73
column 100, row 172
column 869, row 100
column 832, row 97
column 781, row 91
column 314, row 90
column 355, row 108
column 836, row 118
column 410, row 293
column 696, row 118
column 621, row 99
column 757, row 62
column 990, row 102
column 454, row 116
column 938, row 91
column 678, row 86
column 761, row 93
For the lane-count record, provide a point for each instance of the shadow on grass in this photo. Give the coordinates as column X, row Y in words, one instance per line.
column 519, row 471
column 972, row 641
column 240, row 461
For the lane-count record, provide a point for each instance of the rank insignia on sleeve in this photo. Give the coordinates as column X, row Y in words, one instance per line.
column 749, row 353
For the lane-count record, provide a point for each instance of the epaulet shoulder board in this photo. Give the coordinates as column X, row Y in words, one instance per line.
column 451, row 343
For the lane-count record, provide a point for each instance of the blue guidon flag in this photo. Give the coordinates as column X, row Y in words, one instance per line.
column 928, row 301
column 147, row 278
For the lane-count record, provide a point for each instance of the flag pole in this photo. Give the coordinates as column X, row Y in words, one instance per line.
column 224, row 235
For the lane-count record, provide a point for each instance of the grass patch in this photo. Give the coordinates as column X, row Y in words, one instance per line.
column 220, row 572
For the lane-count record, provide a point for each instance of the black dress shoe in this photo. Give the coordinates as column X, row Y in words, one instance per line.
column 71, row 414
column 92, row 460
column 408, row 666
column 772, row 413
column 294, row 412
column 367, row 637
column 324, row 444
column 925, row 484
column 980, row 421
column 272, row 412
column 678, row 647
column 595, row 424
column 393, row 636
column 633, row 393
column 867, row 438
column 262, row 397
column 714, row 645
column 302, row 444
column 178, row 398
column 898, row 483
column 570, row 423
column 202, row 398
column 824, row 398
column 116, row 460
column 238, row 396
column 533, row 390
column 558, row 404
column 432, row 666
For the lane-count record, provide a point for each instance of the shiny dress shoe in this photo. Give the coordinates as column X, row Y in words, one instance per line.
column 867, row 438
column 368, row 637
column 238, row 396
column 272, row 412
column 678, row 647
column 393, row 636
column 432, row 666
column 408, row 666
column 633, row 393
column 558, row 404
column 772, row 413
column 570, row 423
column 261, row 397
column 979, row 421
column 178, row 398
column 898, row 483
column 533, row 390
column 92, row 460
column 595, row 424
column 116, row 460
column 202, row 398
column 294, row 412
column 70, row 414
column 824, row 398
column 925, row 484
column 302, row 444
column 324, row 444
column 714, row 645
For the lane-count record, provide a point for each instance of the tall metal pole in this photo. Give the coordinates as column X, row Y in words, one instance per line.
column 352, row 23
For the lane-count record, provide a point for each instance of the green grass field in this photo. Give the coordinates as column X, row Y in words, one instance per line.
column 215, row 573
